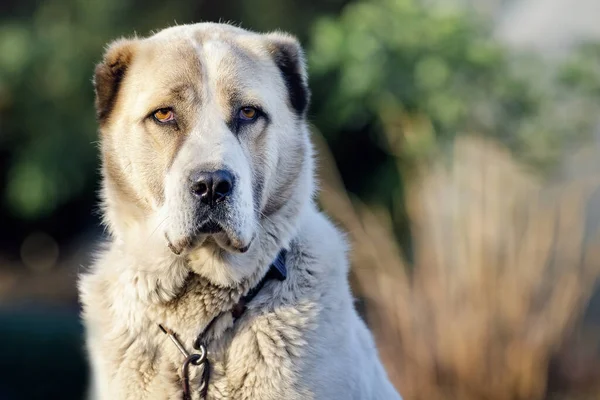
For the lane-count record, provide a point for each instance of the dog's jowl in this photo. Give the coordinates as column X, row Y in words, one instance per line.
column 220, row 278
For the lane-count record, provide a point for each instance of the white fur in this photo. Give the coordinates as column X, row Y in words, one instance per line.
column 300, row 338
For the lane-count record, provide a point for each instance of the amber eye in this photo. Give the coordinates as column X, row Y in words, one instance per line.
column 248, row 114
column 164, row 115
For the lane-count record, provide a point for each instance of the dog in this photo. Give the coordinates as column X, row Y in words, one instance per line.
column 220, row 278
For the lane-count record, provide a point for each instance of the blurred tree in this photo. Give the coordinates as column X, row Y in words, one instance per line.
column 395, row 79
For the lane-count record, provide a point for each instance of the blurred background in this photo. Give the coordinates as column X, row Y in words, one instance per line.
column 458, row 147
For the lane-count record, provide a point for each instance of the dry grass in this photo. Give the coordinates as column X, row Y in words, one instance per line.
column 504, row 267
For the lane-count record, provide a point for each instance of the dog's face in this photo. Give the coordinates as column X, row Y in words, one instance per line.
column 203, row 133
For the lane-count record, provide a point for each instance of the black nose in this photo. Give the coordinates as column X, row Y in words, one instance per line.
column 212, row 187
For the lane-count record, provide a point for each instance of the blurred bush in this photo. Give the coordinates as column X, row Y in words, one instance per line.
column 423, row 72
column 497, row 303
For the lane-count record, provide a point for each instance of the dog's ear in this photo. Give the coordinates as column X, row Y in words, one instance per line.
column 109, row 74
column 289, row 57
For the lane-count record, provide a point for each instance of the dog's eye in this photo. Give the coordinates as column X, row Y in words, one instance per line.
column 248, row 114
column 164, row 115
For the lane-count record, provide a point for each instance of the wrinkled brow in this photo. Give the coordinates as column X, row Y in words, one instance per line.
column 184, row 92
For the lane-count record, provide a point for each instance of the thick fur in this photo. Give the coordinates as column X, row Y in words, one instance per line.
column 300, row 338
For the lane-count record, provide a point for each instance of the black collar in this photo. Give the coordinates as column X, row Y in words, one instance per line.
column 277, row 271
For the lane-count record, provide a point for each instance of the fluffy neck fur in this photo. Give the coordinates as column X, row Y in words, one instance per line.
column 160, row 287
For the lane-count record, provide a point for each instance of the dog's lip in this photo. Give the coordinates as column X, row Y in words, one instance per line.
column 176, row 248
column 209, row 230
column 247, row 247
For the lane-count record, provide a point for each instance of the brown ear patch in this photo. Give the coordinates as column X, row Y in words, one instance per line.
column 108, row 76
column 289, row 58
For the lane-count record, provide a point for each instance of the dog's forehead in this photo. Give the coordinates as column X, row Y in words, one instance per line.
column 225, row 57
column 224, row 49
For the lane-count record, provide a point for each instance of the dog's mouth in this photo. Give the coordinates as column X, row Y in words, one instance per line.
column 208, row 233
column 210, row 227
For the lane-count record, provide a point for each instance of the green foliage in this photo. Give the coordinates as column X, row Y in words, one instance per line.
column 582, row 70
column 388, row 64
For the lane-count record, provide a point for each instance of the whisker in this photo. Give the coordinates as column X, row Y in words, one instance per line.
column 155, row 229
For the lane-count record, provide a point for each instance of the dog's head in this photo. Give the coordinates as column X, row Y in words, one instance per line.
column 204, row 138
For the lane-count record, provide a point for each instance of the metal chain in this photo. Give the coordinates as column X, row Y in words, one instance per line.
column 195, row 359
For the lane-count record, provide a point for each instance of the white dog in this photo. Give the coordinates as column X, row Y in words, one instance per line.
column 221, row 279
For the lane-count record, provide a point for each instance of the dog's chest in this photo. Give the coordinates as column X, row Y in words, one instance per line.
column 257, row 357
column 238, row 361
column 260, row 356
column 147, row 360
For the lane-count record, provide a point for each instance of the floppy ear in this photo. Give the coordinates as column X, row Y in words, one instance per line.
column 289, row 57
column 109, row 74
